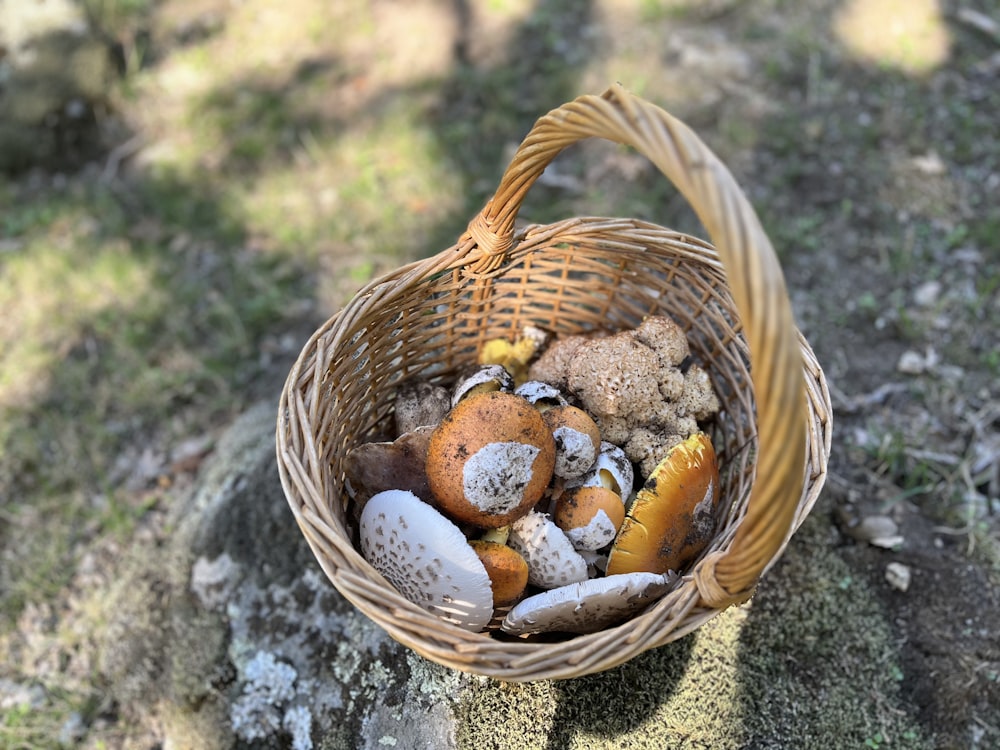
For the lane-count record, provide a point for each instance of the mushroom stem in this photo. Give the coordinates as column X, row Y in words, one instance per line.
column 498, row 535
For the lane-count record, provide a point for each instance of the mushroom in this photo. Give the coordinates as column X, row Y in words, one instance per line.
column 673, row 516
column 578, row 440
column 490, row 460
column 612, row 469
column 590, row 516
column 541, row 395
column 426, row 558
column 639, row 385
column 514, row 356
column 587, row 606
column 597, row 561
column 552, row 561
column 400, row 465
column 418, row 404
column 482, row 379
column 507, row 569
column 553, row 363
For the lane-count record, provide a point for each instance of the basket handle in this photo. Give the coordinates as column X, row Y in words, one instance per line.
column 755, row 279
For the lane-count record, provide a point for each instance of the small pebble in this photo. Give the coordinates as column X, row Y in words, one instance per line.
column 927, row 294
column 913, row 362
column 898, row 576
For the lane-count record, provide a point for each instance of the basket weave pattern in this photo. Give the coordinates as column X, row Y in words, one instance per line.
column 428, row 319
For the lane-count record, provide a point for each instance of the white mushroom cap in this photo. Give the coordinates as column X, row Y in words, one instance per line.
column 611, row 463
column 597, row 562
column 588, row 606
column 426, row 558
column 539, row 393
column 489, row 377
column 552, row 561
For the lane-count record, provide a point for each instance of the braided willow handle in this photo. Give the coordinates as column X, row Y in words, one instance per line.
column 755, row 280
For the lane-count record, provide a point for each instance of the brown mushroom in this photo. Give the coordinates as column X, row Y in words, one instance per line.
column 672, row 517
column 371, row 468
column 507, row 569
column 418, row 404
column 490, row 460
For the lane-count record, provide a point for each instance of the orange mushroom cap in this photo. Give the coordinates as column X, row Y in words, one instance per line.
column 507, row 569
column 490, row 459
column 590, row 516
column 673, row 516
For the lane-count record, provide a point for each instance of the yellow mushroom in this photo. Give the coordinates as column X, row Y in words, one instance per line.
column 673, row 516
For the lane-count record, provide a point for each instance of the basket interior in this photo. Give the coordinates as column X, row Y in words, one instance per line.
column 570, row 279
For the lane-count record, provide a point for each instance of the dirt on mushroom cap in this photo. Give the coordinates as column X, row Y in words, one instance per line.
column 512, row 454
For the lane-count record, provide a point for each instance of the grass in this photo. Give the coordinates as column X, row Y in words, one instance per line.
column 117, row 314
column 719, row 687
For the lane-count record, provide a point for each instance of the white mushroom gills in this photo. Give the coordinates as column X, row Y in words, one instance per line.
column 426, row 558
column 587, row 606
column 494, row 477
column 552, row 560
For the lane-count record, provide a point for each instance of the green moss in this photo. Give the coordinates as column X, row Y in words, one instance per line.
column 782, row 672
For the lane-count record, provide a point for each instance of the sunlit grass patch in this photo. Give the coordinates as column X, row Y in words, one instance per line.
column 55, row 291
column 908, row 35
column 378, row 191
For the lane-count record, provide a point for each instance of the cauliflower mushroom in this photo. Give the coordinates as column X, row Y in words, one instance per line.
column 553, row 364
column 615, row 376
column 640, row 386
column 666, row 338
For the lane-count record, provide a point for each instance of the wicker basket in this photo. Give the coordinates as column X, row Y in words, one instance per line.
column 429, row 318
